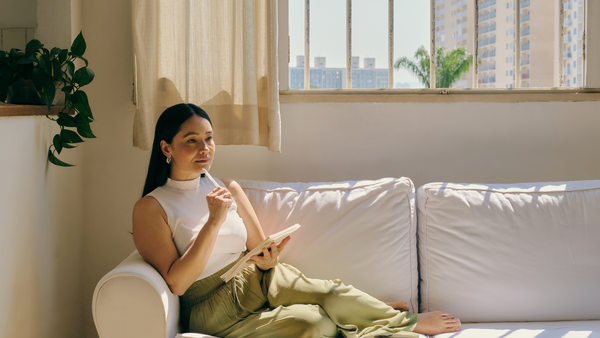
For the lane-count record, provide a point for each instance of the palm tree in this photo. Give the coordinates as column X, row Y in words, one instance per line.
column 449, row 67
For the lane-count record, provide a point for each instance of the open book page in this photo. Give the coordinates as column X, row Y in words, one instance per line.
column 274, row 238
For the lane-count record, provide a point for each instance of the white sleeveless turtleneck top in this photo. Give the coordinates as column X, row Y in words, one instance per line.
column 185, row 204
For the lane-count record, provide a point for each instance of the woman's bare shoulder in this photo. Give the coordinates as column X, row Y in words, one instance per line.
column 232, row 185
column 146, row 203
column 147, row 206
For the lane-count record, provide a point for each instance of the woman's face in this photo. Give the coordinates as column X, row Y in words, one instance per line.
column 191, row 150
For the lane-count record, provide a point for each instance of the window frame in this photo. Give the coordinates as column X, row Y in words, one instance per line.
column 590, row 91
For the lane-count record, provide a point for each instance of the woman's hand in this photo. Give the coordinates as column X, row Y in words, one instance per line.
column 269, row 256
column 219, row 201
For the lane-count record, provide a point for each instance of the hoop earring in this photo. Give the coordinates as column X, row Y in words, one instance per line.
column 168, row 160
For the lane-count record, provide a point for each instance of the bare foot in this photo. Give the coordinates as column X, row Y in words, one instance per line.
column 399, row 305
column 432, row 323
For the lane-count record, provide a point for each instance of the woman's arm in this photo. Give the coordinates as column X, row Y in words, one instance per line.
column 152, row 238
column 270, row 257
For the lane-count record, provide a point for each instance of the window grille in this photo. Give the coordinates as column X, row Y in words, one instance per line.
column 483, row 10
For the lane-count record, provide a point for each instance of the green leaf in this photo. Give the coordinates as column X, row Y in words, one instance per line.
column 69, row 136
column 48, row 92
column 67, row 89
column 45, row 64
column 86, row 133
column 7, row 76
column 54, row 160
column 58, row 144
column 39, row 79
column 54, row 51
column 68, row 146
column 56, row 70
column 83, row 76
column 66, row 120
column 81, row 103
column 62, row 56
column 79, row 46
column 33, row 46
column 3, row 92
column 70, row 68
column 15, row 53
column 83, row 126
column 25, row 60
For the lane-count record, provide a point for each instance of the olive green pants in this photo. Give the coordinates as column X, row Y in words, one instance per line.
column 282, row 302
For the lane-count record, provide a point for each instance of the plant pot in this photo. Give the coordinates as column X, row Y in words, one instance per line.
column 23, row 92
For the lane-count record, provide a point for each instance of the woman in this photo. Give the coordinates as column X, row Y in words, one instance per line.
column 192, row 233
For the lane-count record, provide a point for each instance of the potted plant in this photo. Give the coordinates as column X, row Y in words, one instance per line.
column 49, row 70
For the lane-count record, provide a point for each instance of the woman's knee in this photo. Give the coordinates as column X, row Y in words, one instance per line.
column 311, row 320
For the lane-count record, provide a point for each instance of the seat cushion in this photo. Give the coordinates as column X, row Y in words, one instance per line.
column 575, row 329
column 510, row 252
column 361, row 232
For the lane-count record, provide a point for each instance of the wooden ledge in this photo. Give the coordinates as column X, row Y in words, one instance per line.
column 441, row 95
column 27, row 110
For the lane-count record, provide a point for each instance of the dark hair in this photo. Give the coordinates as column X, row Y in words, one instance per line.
column 168, row 125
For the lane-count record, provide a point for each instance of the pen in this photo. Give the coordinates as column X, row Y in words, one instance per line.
column 210, row 178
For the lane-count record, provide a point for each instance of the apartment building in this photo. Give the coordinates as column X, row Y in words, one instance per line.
column 454, row 28
column 496, row 40
column 573, row 43
column 323, row 77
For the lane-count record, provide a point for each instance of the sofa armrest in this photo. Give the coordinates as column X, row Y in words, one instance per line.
column 133, row 300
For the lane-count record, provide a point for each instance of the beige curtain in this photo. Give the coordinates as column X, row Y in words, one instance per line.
column 218, row 54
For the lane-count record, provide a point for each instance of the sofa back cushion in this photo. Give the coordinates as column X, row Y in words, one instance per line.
column 518, row 252
column 361, row 232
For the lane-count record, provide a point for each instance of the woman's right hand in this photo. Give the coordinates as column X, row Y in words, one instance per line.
column 219, row 201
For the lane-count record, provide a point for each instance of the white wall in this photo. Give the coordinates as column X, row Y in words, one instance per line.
column 42, row 212
column 459, row 142
column 41, row 226
column 54, row 23
column 18, row 14
column 113, row 179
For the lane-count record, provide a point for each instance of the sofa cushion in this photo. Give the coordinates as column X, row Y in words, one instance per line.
column 510, row 252
column 573, row 329
column 361, row 232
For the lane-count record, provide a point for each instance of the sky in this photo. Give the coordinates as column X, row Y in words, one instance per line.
column 369, row 31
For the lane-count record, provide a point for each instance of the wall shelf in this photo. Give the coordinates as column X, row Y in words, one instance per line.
column 27, row 110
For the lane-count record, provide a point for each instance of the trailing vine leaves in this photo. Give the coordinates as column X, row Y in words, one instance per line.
column 59, row 67
column 49, row 70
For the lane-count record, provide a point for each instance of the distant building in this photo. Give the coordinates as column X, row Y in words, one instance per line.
column 573, row 41
column 323, row 77
column 496, row 40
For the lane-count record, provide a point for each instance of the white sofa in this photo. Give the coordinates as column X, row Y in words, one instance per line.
column 512, row 261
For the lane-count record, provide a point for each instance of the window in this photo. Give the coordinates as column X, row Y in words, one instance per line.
column 358, row 61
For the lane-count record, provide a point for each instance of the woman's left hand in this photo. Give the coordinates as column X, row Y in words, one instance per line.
column 270, row 255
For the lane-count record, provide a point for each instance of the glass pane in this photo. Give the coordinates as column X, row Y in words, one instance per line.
column 411, row 32
column 454, row 43
column 572, row 52
column 369, row 43
column 296, row 34
column 538, row 44
column 496, row 44
column 328, row 44
column 497, row 68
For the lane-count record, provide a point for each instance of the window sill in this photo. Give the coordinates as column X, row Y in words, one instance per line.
column 27, row 110
column 440, row 95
